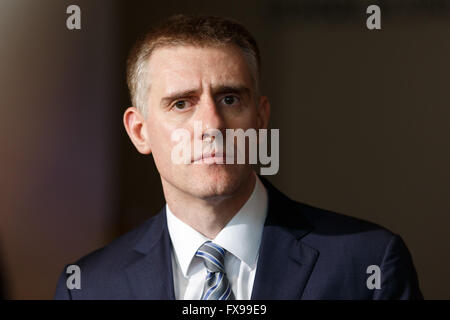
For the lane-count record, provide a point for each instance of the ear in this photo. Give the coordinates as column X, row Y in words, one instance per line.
column 135, row 125
column 263, row 112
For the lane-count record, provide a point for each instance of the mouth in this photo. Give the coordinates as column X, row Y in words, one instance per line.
column 211, row 158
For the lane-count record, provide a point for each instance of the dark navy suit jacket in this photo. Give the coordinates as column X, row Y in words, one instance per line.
column 305, row 253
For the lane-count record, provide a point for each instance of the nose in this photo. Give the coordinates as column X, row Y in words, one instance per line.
column 210, row 117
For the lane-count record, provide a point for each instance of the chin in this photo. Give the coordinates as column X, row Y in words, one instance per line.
column 218, row 180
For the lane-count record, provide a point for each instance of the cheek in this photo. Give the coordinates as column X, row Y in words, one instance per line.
column 160, row 133
column 245, row 120
column 159, row 136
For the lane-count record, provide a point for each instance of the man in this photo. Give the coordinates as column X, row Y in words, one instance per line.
column 226, row 233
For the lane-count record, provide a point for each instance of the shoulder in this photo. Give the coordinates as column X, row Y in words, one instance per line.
column 328, row 231
column 115, row 256
column 322, row 224
column 102, row 271
column 350, row 238
column 333, row 224
column 350, row 248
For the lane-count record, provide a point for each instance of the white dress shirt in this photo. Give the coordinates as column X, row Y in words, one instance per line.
column 241, row 237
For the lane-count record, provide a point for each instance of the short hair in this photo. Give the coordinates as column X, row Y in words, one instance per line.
column 194, row 30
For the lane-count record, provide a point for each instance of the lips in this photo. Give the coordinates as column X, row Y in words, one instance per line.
column 209, row 158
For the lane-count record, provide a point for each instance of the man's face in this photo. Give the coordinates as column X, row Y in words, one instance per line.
column 211, row 85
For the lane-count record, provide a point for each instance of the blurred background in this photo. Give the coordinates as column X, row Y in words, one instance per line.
column 364, row 121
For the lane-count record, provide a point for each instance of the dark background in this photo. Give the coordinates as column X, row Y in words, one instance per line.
column 364, row 123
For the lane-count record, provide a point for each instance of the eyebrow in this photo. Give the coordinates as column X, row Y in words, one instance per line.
column 241, row 90
column 177, row 95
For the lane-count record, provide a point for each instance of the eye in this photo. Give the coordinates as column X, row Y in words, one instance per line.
column 180, row 105
column 230, row 100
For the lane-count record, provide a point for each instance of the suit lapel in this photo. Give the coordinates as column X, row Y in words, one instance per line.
column 150, row 276
column 284, row 266
column 285, row 263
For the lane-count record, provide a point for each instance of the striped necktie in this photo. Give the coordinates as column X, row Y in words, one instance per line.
column 217, row 286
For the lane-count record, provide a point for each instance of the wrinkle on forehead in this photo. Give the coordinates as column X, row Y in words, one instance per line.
column 188, row 67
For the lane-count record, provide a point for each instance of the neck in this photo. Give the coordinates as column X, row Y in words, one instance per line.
column 207, row 216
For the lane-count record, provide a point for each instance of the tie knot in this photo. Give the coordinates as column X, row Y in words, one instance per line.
column 213, row 256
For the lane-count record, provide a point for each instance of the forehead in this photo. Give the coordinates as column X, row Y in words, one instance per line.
column 181, row 67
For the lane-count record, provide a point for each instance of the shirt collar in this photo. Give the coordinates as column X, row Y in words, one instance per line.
column 241, row 236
